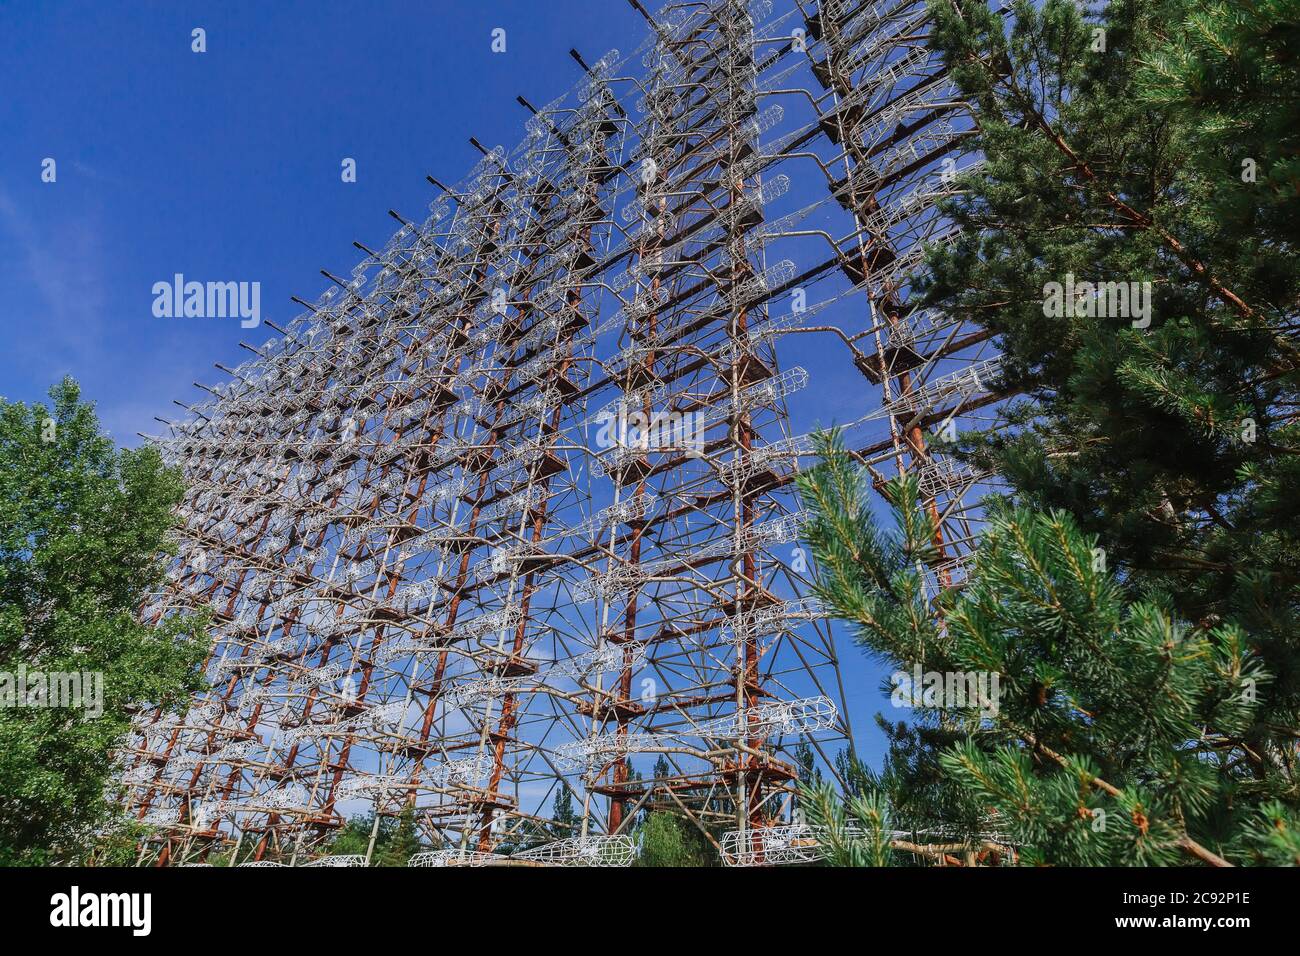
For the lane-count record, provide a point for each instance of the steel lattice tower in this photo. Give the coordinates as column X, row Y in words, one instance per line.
column 511, row 509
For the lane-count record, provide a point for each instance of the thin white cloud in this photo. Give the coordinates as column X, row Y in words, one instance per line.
column 65, row 265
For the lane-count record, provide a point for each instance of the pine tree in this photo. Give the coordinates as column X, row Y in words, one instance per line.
column 855, row 832
column 1115, row 145
column 403, row 842
column 563, row 816
column 662, row 770
column 83, row 528
column 1103, row 741
column 1231, row 72
column 856, row 776
column 809, row 774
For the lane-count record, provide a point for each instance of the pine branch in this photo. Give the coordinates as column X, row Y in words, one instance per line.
column 1185, row 842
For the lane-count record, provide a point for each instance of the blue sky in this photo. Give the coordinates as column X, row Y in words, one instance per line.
column 225, row 166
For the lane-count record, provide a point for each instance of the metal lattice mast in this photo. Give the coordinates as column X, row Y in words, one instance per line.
column 511, row 509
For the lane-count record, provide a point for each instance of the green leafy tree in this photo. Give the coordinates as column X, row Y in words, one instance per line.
column 353, row 838
column 1115, row 143
column 118, row 843
column 667, row 839
column 223, row 857
column 396, row 838
column 83, row 532
column 1104, row 740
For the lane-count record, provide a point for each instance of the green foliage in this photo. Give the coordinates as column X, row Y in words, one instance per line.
column 857, row 834
column 1230, row 70
column 1273, row 836
column 855, row 775
column 805, row 760
column 563, row 815
column 118, row 843
column 919, row 789
column 667, row 839
column 1174, row 445
column 810, row 775
column 396, row 838
column 83, row 527
column 1113, row 736
column 402, row 844
column 662, row 770
column 353, row 838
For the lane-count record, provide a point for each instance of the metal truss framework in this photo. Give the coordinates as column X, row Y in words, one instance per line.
column 511, row 508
